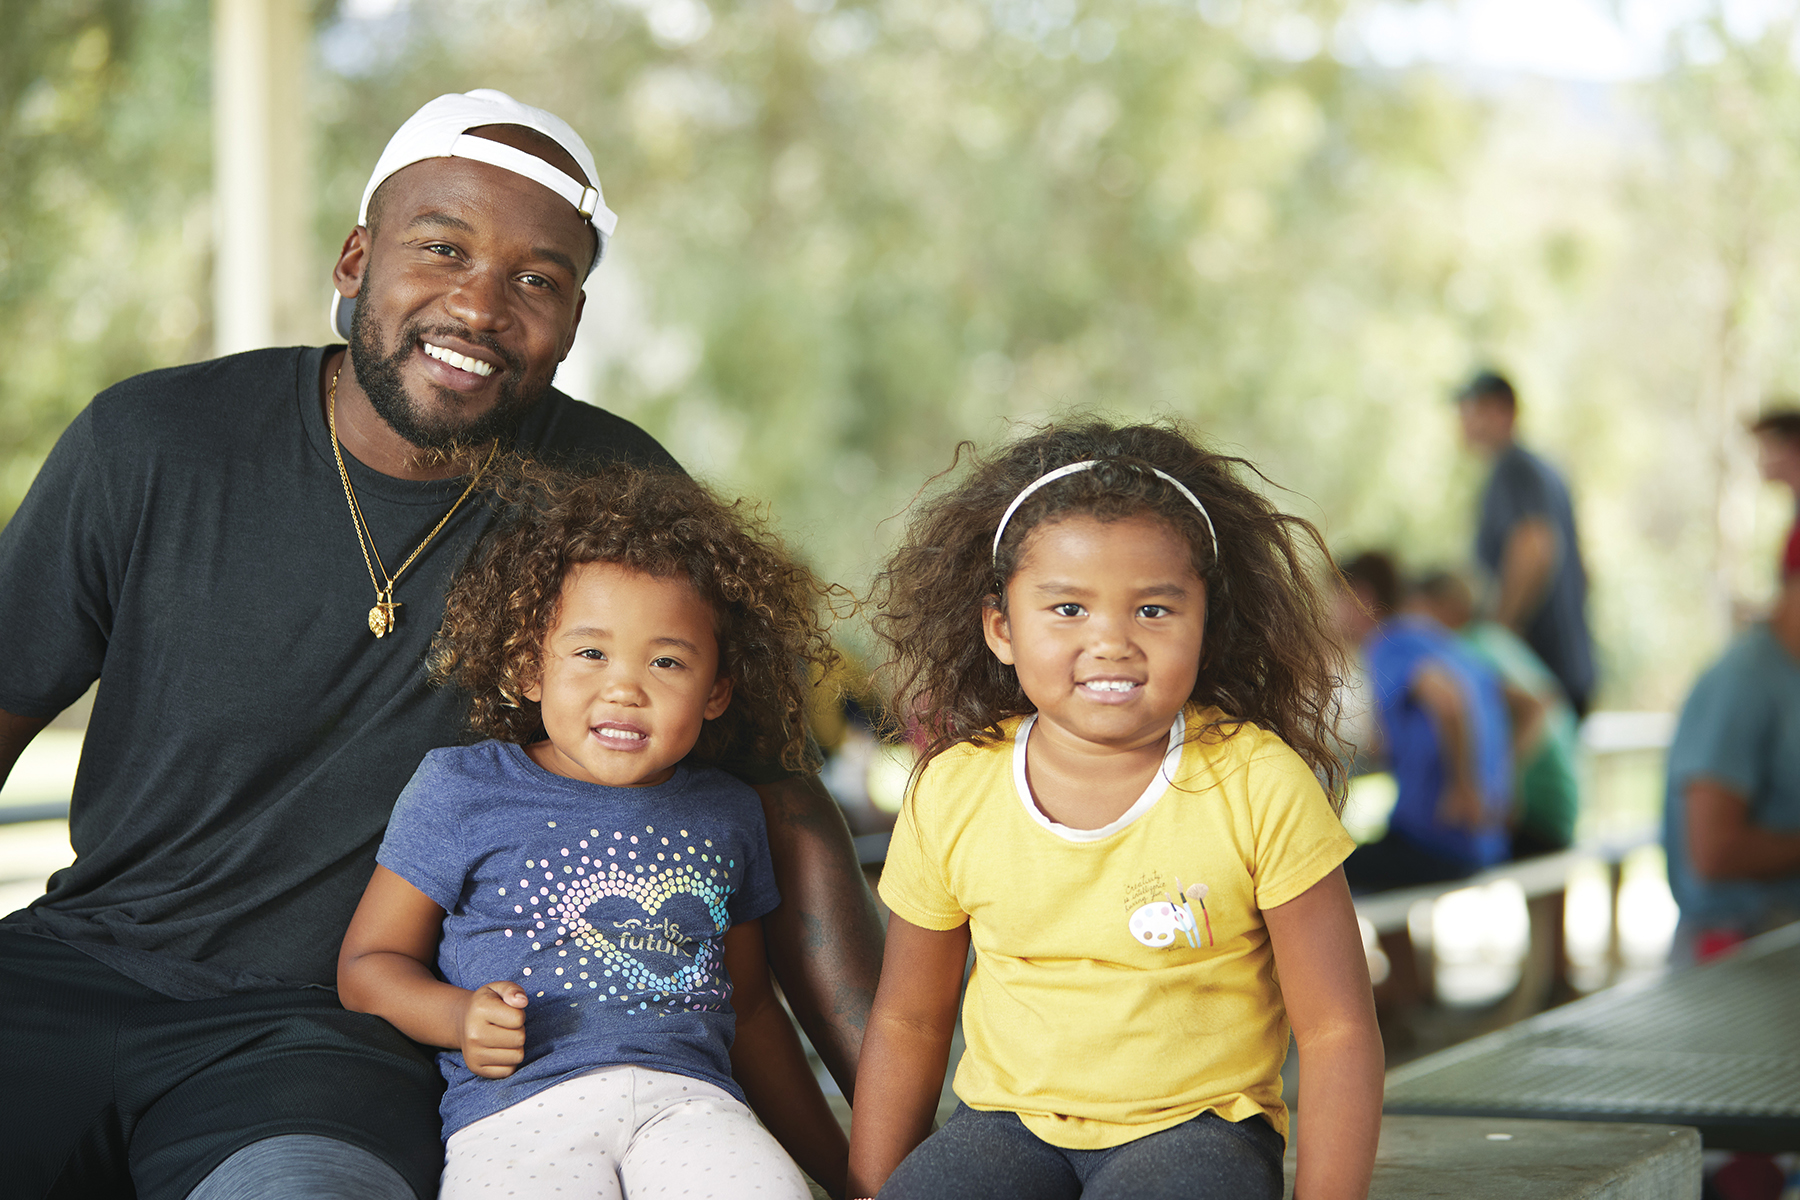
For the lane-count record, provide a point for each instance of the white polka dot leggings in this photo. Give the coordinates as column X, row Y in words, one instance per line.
column 621, row 1133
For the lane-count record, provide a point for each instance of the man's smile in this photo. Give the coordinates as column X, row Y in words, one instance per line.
column 461, row 362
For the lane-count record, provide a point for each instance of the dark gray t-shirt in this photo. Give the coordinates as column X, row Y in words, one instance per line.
column 188, row 544
column 1522, row 486
column 608, row 905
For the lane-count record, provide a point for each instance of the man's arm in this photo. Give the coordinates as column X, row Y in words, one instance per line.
column 824, row 940
column 16, row 733
column 1526, row 565
column 1436, row 691
column 1723, row 843
column 768, row 1064
column 1529, row 718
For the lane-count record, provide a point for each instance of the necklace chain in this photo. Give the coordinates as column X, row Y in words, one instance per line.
column 382, row 617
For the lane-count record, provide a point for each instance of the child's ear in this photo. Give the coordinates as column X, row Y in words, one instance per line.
column 719, row 699
column 535, row 692
column 996, row 630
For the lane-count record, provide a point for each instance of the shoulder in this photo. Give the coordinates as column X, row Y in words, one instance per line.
column 1224, row 747
column 1753, row 661
column 1397, row 647
column 970, row 763
column 177, row 402
column 1743, row 686
column 1530, row 472
column 572, row 432
column 1744, row 695
column 720, row 787
column 953, row 788
column 483, row 763
column 1516, row 472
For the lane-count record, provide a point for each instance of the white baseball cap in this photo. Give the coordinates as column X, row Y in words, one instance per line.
column 440, row 130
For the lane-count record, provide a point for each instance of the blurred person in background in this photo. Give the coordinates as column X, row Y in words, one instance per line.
column 1546, row 735
column 1731, row 814
column 1444, row 735
column 1526, row 540
column 206, row 542
column 1777, row 433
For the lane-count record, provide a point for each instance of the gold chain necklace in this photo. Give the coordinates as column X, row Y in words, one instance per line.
column 382, row 616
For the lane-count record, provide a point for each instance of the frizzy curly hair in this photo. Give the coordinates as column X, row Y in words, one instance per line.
column 1270, row 654
column 767, row 608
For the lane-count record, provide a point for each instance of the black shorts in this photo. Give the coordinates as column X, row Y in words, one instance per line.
column 112, row 1089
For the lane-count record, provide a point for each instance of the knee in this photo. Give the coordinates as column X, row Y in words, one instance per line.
column 319, row 1167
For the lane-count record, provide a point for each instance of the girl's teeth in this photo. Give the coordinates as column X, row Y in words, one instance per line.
column 461, row 362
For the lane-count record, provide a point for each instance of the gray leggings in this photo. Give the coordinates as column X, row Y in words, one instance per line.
column 992, row 1156
column 302, row 1164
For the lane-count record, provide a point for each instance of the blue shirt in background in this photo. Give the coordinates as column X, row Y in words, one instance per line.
column 609, row 906
column 1395, row 653
column 1740, row 728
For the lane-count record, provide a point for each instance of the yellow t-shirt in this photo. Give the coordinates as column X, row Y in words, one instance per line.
column 1105, row 1005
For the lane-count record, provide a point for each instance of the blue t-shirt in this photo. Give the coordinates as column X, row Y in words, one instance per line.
column 609, row 906
column 1395, row 654
column 1741, row 728
column 1523, row 486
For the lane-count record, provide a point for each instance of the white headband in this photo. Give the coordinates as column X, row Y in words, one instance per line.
column 1089, row 465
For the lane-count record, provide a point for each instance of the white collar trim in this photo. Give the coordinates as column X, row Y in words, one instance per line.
column 1159, row 784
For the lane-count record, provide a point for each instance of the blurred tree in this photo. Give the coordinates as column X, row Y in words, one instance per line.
column 105, row 227
column 856, row 231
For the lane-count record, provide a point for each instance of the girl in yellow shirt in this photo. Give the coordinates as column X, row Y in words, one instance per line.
column 1124, row 676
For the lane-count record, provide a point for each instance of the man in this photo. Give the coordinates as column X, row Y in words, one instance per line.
column 251, row 554
column 1444, row 735
column 1527, row 541
column 1777, row 433
column 1731, row 814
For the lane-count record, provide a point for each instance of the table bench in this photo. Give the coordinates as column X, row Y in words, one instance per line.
column 1716, row 1047
column 1543, row 881
column 1499, row 1159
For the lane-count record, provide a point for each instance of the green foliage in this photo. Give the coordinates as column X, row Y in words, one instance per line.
column 104, row 225
column 889, row 227
column 855, row 233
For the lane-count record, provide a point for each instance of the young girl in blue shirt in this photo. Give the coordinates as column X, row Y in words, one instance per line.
column 570, row 909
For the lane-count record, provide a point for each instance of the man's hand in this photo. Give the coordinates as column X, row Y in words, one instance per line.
column 1460, row 807
column 493, row 1029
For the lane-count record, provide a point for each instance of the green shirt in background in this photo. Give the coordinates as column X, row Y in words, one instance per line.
column 1549, row 794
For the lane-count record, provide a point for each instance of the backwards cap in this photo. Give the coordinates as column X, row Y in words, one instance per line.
column 440, row 130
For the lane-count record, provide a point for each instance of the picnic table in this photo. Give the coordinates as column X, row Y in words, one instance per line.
column 1716, row 1047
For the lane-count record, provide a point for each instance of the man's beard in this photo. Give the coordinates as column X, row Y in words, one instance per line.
column 380, row 380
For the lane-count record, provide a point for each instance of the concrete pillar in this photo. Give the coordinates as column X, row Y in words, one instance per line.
column 261, row 186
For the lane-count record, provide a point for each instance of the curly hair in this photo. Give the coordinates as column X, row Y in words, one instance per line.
column 766, row 606
column 1270, row 652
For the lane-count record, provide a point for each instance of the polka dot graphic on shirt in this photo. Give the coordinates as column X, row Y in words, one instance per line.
column 600, row 914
